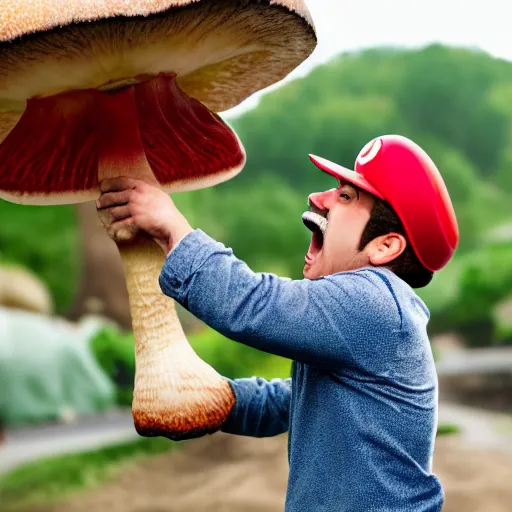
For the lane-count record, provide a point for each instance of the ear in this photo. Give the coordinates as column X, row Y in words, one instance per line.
column 386, row 248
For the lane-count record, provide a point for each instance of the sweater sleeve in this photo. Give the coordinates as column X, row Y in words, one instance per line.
column 262, row 407
column 312, row 321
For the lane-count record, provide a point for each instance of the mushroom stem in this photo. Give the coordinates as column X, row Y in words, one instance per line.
column 176, row 394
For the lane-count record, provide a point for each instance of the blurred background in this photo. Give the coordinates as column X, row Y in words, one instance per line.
column 434, row 72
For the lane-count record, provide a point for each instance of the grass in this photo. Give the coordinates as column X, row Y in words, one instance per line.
column 445, row 429
column 50, row 480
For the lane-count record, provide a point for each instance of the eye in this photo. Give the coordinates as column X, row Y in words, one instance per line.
column 345, row 196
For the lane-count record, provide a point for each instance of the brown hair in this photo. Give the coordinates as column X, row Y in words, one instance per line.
column 407, row 266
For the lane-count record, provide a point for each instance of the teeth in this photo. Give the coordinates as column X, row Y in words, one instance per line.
column 316, row 219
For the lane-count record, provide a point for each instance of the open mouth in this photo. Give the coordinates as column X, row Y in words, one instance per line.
column 318, row 225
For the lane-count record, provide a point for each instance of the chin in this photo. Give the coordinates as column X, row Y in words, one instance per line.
column 310, row 273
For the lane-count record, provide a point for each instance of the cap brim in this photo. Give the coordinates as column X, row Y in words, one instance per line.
column 343, row 174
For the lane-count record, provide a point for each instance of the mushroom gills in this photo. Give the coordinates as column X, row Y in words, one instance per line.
column 186, row 145
column 222, row 51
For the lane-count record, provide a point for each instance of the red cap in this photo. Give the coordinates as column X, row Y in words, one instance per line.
column 397, row 170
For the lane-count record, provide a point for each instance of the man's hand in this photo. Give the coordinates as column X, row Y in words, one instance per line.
column 127, row 205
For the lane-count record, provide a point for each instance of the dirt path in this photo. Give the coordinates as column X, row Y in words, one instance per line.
column 224, row 473
column 474, row 480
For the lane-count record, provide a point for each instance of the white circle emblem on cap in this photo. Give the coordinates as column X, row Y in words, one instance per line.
column 369, row 152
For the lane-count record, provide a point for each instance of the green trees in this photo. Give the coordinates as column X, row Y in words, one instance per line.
column 45, row 240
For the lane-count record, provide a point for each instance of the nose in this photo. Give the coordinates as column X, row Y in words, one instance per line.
column 322, row 200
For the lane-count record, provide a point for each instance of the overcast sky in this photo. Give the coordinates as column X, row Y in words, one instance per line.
column 353, row 24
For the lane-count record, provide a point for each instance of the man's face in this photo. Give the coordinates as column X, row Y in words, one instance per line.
column 337, row 218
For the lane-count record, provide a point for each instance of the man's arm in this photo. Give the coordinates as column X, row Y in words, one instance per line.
column 262, row 407
column 313, row 321
column 322, row 321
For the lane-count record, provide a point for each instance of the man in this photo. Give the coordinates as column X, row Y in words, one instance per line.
column 361, row 406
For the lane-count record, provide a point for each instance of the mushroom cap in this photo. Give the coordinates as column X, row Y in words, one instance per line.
column 218, row 52
column 221, row 51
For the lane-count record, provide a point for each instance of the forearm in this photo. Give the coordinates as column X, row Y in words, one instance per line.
column 262, row 407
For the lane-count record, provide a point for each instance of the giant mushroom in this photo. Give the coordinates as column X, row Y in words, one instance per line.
column 104, row 88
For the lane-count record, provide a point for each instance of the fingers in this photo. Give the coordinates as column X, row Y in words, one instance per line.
column 108, row 199
column 123, row 231
column 120, row 226
column 114, row 210
column 110, row 215
column 118, row 184
column 120, row 212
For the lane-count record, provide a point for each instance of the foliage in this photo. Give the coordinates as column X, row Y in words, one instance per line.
column 464, row 295
column 445, row 429
column 502, row 316
column 235, row 360
column 434, row 95
column 44, row 240
column 486, row 279
column 115, row 354
column 49, row 480
column 447, row 92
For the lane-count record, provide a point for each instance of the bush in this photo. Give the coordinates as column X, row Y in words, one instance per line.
column 445, row 429
column 502, row 316
column 44, row 240
column 485, row 280
column 115, row 354
column 464, row 296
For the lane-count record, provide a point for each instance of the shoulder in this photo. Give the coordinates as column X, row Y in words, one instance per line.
column 368, row 283
column 378, row 292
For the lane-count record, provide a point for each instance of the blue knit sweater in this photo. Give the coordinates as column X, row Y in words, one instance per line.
column 361, row 406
